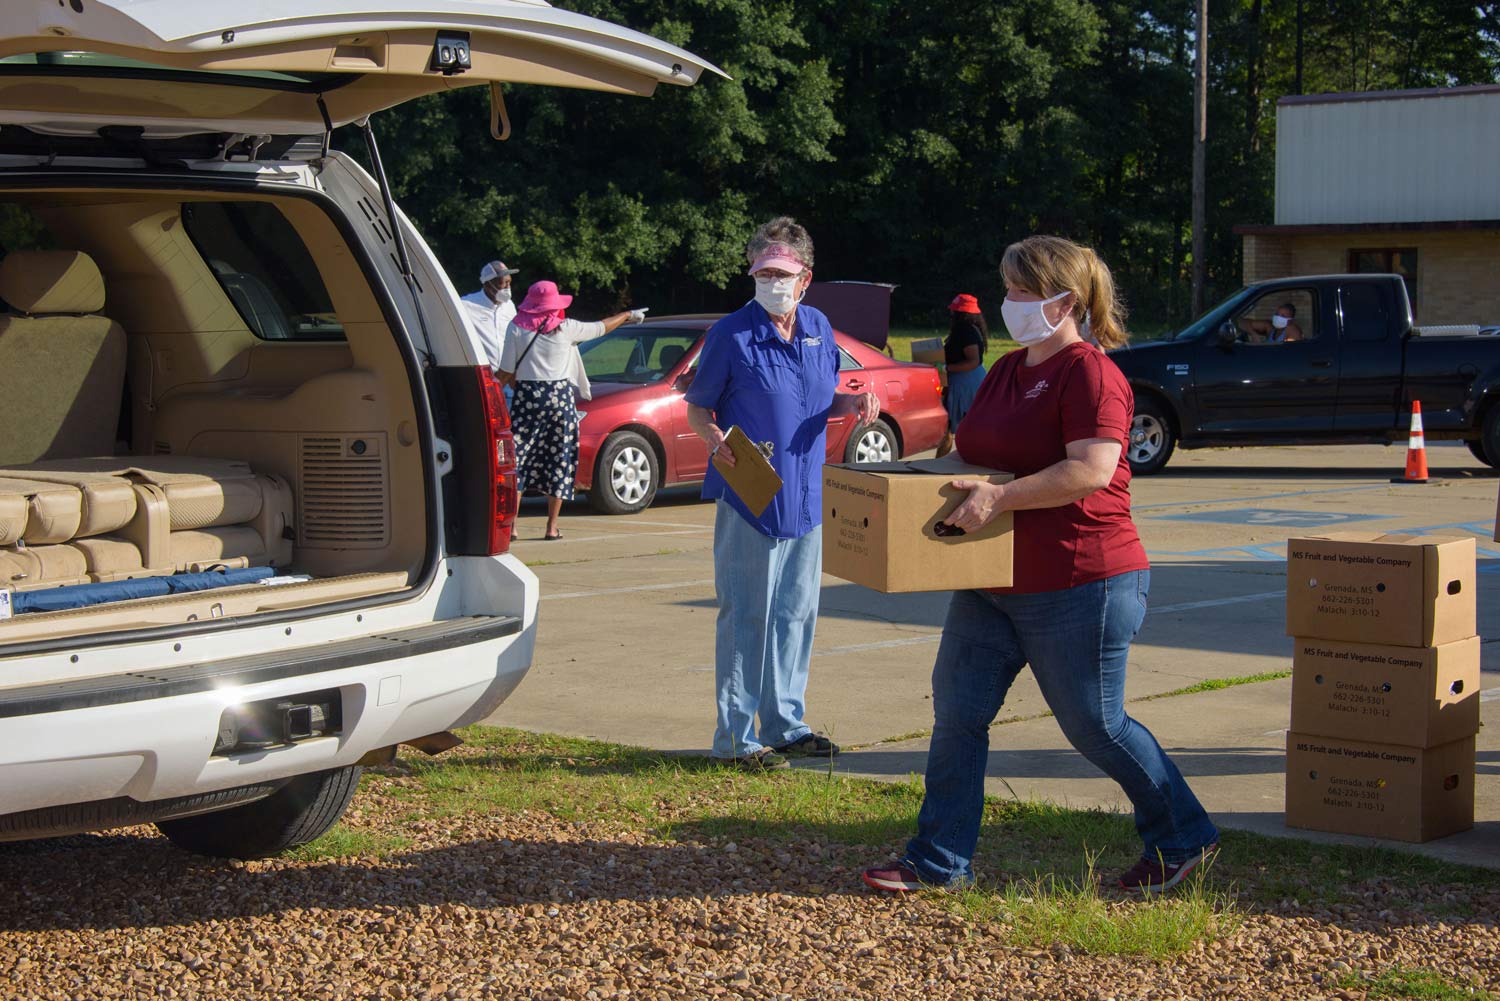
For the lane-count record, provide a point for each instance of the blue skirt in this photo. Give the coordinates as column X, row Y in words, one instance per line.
column 959, row 397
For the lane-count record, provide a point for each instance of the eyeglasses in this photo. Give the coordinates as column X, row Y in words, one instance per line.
column 944, row 530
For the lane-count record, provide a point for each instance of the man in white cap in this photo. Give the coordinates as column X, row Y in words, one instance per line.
column 490, row 308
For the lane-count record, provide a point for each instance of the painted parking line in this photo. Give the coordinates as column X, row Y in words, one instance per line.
column 617, row 535
column 1259, row 498
column 617, row 520
column 1274, row 518
column 606, row 591
column 1490, row 695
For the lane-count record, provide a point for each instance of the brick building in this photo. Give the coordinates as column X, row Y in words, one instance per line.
column 1406, row 182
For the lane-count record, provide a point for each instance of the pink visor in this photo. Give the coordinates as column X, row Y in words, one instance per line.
column 778, row 256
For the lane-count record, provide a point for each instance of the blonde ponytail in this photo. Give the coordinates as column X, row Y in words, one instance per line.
column 1048, row 265
column 1105, row 312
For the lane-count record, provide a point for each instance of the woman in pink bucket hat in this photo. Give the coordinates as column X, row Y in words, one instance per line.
column 541, row 357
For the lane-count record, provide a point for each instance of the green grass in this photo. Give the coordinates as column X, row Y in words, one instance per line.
column 1047, row 910
column 348, row 842
column 1415, row 983
column 1024, row 846
column 1215, row 684
column 901, row 338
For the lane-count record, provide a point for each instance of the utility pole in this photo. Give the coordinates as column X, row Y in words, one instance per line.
column 1297, row 87
column 1200, row 156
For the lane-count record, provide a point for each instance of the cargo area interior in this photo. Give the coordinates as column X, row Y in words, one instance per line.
column 205, row 413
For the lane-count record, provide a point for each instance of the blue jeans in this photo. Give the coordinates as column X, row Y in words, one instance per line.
column 1077, row 642
column 768, row 605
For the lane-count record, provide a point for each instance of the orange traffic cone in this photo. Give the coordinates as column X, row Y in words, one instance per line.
column 1416, row 450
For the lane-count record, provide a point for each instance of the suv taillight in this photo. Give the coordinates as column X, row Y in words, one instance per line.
column 504, row 498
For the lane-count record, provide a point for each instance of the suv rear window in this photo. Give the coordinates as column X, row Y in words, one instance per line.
column 264, row 268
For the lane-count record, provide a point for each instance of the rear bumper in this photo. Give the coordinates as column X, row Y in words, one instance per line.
column 147, row 732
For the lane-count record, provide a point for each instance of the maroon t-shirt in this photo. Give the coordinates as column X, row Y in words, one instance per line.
column 1021, row 422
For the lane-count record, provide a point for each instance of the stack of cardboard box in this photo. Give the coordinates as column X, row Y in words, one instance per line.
column 1385, row 685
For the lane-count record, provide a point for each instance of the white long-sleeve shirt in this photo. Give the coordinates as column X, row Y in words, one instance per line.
column 490, row 320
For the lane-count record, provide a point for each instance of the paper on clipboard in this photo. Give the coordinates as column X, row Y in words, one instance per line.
column 751, row 477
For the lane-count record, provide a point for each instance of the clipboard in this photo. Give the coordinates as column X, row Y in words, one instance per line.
column 752, row 477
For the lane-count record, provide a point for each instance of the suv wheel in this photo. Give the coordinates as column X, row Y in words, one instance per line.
column 874, row 442
column 298, row 812
column 626, row 475
column 1151, row 438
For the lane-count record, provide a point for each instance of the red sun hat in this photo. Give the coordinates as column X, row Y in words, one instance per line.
column 543, row 297
column 964, row 303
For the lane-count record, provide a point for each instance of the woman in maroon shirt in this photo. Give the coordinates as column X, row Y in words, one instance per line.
column 1057, row 415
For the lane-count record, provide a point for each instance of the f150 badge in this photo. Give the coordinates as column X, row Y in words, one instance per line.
column 1178, row 369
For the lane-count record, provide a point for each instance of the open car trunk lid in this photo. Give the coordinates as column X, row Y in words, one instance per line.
column 277, row 67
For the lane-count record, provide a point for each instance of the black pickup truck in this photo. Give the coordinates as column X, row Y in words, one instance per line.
column 1343, row 365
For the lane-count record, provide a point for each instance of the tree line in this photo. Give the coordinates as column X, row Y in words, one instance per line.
column 914, row 140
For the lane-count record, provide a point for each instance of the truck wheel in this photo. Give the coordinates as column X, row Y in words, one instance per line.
column 1151, row 438
column 295, row 814
column 1487, row 448
column 626, row 475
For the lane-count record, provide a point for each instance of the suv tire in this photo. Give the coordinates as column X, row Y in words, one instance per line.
column 299, row 812
column 626, row 475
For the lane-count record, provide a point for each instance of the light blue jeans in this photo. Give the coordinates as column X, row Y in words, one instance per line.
column 768, row 606
column 1077, row 641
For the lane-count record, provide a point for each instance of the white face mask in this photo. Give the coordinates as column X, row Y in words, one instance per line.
column 777, row 296
column 1279, row 322
column 502, row 296
column 1027, row 321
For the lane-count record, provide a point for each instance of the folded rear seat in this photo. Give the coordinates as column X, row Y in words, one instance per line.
column 38, row 516
column 134, row 516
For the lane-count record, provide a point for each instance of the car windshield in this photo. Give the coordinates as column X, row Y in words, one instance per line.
column 637, row 355
column 1213, row 319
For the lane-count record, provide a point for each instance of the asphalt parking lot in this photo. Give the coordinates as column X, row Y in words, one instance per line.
column 625, row 652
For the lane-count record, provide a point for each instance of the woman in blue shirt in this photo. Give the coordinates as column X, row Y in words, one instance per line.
column 770, row 367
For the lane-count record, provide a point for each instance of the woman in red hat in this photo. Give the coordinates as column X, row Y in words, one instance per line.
column 963, row 357
column 541, row 356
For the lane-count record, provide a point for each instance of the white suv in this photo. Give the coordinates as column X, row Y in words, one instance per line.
column 256, row 481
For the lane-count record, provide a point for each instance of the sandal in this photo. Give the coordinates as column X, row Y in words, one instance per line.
column 553, row 537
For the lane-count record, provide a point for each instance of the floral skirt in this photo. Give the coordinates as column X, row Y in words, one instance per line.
column 545, row 422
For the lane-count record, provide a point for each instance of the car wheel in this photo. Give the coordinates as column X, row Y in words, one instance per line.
column 1151, row 438
column 874, row 442
column 626, row 476
column 300, row 811
column 1479, row 453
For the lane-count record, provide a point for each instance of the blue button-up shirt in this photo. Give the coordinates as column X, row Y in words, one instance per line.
column 777, row 391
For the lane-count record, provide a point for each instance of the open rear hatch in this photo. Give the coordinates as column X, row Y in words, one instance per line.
column 297, row 67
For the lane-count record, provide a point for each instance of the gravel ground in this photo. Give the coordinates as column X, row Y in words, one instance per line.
column 527, row 906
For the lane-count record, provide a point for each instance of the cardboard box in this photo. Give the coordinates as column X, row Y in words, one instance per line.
column 1379, row 790
column 1365, row 587
column 878, row 529
column 1417, row 696
column 930, row 352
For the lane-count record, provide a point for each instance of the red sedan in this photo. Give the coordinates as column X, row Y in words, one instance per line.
column 635, row 438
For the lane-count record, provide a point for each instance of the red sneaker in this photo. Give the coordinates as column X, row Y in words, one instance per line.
column 892, row 879
column 1152, row 875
